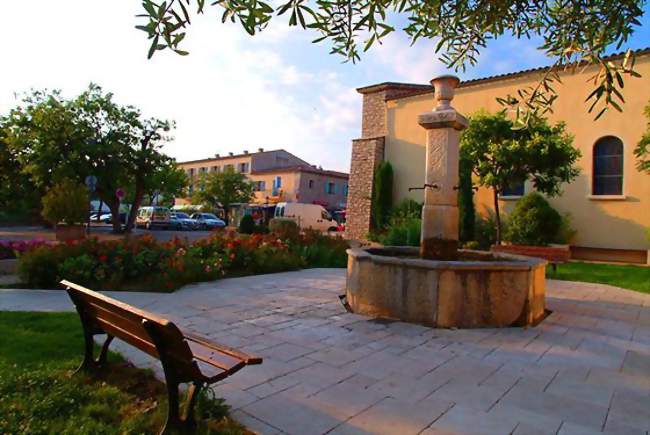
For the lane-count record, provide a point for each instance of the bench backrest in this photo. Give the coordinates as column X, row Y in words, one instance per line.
column 146, row 331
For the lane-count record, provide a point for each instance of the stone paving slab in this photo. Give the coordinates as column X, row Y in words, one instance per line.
column 585, row 369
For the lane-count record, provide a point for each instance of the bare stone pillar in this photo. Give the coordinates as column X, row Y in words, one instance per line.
column 439, row 238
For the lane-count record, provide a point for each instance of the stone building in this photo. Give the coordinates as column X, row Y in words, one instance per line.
column 277, row 176
column 609, row 202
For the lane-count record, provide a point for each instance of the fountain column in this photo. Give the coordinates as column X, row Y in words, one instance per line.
column 439, row 237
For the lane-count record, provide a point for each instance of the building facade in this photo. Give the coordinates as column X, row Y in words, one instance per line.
column 277, row 176
column 609, row 202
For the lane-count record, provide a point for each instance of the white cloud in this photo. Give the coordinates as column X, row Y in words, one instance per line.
column 416, row 63
column 232, row 93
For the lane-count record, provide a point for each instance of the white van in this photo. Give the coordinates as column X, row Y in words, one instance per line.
column 306, row 215
column 152, row 217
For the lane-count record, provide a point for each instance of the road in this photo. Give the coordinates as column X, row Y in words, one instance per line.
column 101, row 230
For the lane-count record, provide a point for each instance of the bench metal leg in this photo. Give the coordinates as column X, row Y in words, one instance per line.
column 192, row 396
column 175, row 423
column 89, row 363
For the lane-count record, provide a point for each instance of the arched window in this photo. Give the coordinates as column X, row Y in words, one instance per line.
column 608, row 166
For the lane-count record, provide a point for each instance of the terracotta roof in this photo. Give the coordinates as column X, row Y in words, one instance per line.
column 234, row 156
column 411, row 89
column 302, row 168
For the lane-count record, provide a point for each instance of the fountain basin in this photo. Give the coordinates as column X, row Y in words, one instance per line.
column 481, row 289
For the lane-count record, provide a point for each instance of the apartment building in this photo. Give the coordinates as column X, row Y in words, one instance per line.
column 277, row 176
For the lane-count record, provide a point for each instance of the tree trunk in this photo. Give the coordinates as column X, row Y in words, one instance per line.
column 114, row 206
column 137, row 200
column 497, row 215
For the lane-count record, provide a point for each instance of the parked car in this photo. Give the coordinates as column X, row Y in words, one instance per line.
column 307, row 215
column 182, row 221
column 208, row 221
column 153, row 217
column 107, row 218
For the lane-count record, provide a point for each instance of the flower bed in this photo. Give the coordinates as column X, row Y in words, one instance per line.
column 145, row 264
column 10, row 249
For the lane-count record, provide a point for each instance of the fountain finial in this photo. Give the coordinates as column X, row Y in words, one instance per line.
column 444, row 86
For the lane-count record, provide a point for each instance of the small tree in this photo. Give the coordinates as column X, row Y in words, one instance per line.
column 223, row 189
column 504, row 157
column 642, row 150
column 382, row 195
column 66, row 202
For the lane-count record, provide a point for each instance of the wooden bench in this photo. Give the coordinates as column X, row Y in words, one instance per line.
column 553, row 254
column 185, row 357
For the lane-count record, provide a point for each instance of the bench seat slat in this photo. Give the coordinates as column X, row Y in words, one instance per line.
column 206, row 355
column 249, row 359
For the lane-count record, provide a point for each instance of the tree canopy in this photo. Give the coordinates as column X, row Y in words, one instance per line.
column 642, row 150
column 50, row 138
column 503, row 157
column 572, row 33
column 214, row 189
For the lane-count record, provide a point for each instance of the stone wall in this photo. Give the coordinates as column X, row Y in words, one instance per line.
column 366, row 155
column 368, row 151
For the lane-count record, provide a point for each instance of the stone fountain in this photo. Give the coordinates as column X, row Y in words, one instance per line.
column 440, row 285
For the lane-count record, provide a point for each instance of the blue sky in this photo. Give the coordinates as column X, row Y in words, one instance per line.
column 233, row 92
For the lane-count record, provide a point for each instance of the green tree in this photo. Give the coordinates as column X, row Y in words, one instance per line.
column 503, row 157
column 55, row 138
column 216, row 189
column 572, row 33
column 382, row 195
column 642, row 150
column 18, row 196
column 466, row 211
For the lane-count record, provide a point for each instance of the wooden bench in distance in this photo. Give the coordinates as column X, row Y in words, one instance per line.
column 553, row 254
column 185, row 357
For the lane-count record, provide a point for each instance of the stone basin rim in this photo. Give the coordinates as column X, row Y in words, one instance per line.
column 515, row 262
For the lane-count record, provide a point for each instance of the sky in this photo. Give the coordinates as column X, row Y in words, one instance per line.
column 233, row 92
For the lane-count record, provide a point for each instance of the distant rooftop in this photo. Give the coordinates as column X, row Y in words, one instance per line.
column 219, row 157
column 303, row 168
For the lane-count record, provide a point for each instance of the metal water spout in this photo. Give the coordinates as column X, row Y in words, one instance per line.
column 439, row 237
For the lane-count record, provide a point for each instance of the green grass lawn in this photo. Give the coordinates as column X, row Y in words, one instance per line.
column 39, row 394
column 629, row 277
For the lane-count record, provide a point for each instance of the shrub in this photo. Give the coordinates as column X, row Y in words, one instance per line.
column 402, row 232
column 145, row 264
column 534, row 222
column 66, row 202
column 382, row 196
column 407, row 208
column 485, row 230
column 261, row 229
column 319, row 250
column 247, row 224
column 14, row 248
column 284, row 228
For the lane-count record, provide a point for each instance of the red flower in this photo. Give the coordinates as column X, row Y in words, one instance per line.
column 103, row 258
column 232, row 256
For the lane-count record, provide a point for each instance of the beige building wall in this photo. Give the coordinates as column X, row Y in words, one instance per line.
column 614, row 223
column 266, row 166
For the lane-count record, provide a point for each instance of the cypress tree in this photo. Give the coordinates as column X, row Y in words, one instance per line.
column 466, row 210
column 382, row 195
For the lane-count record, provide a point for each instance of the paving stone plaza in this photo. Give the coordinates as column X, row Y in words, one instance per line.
column 585, row 369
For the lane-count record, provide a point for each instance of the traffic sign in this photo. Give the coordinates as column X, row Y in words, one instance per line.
column 91, row 183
